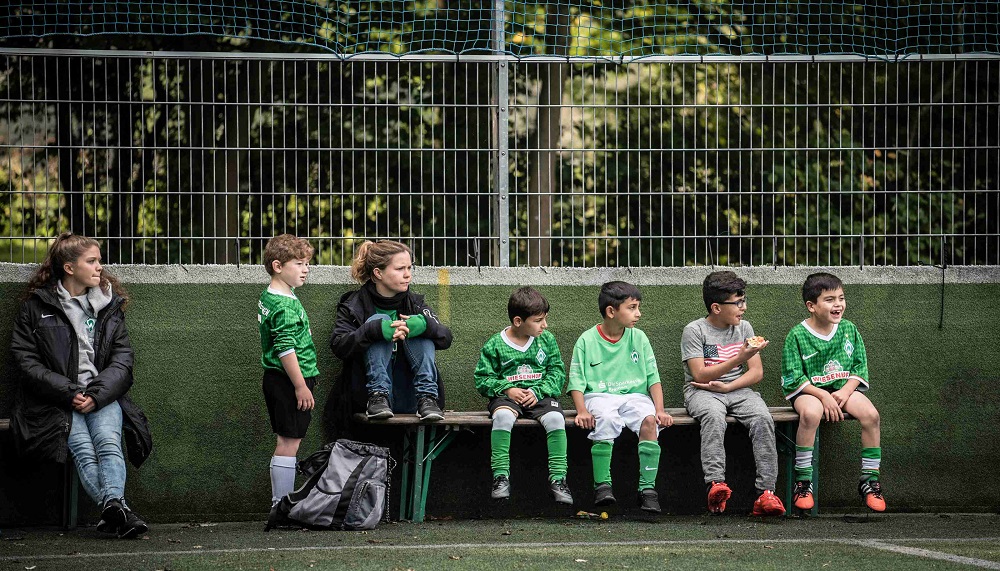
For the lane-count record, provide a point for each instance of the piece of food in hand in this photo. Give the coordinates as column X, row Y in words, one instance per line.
column 756, row 341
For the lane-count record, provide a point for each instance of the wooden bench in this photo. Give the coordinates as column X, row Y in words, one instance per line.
column 71, row 486
column 423, row 442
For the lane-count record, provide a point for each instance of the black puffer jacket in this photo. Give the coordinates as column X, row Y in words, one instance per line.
column 352, row 336
column 45, row 346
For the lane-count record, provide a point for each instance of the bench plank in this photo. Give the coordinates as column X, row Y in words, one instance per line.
column 4, row 424
column 481, row 418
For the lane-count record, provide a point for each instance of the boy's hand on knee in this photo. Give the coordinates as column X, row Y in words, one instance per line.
column 584, row 419
column 831, row 409
column 305, row 398
column 664, row 419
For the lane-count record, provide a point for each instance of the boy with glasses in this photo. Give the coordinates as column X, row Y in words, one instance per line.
column 721, row 363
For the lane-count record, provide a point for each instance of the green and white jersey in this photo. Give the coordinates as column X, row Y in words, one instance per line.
column 284, row 328
column 537, row 366
column 626, row 366
column 826, row 361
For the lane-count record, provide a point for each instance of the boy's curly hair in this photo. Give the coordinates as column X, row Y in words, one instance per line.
column 285, row 248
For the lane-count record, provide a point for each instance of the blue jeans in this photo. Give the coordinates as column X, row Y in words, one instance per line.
column 404, row 380
column 95, row 442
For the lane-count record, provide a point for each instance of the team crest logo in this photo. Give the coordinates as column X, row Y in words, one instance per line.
column 848, row 348
column 540, row 357
column 635, row 356
column 89, row 324
column 524, row 370
column 832, row 366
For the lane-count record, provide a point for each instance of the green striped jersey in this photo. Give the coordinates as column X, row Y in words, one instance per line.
column 284, row 328
column 827, row 362
column 623, row 367
column 537, row 366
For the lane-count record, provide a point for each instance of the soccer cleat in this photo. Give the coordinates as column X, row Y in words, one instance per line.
column 871, row 492
column 802, row 495
column 560, row 492
column 501, row 488
column 603, row 495
column 718, row 493
column 133, row 526
column 649, row 501
column 768, row 504
column 112, row 516
column 378, row 407
column 428, row 409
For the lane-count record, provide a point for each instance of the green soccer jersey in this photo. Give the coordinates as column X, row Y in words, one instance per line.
column 284, row 328
column 537, row 366
column 626, row 366
column 827, row 362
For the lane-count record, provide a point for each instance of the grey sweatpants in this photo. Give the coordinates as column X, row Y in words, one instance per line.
column 749, row 409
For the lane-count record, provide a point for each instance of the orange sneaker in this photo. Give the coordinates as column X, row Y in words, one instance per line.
column 871, row 493
column 718, row 493
column 768, row 504
column 802, row 496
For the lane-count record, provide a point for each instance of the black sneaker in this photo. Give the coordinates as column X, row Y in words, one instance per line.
column 560, row 492
column 649, row 501
column 603, row 495
column 112, row 516
column 501, row 488
column 378, row 407
column 133, row 526
column 428, row 409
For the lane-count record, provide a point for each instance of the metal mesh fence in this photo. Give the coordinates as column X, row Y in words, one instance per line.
column 201, row 158
column 597, row 28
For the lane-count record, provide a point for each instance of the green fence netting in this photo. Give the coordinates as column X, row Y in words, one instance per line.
column 612, row 28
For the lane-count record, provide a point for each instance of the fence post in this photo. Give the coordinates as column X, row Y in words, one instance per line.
column 502, row 171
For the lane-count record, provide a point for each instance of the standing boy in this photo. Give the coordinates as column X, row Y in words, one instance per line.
column 720, row 366
column 614, row 383
column 287, row 354
column 521, row 371
column 824, row 373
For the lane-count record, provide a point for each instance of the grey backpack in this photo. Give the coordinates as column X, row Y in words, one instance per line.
column 347, row 488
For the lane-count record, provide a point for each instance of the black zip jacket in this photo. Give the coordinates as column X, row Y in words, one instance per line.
column 352, row 336
column 45, row 347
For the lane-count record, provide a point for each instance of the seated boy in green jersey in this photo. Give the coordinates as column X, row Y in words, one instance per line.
column 287, row 354
column 824, row 373
column 614, row 383
column 521, row 372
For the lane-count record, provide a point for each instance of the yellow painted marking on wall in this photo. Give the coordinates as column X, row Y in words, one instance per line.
column 444, row 303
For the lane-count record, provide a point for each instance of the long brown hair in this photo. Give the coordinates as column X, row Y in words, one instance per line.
column 67, row 248
column 371, row 255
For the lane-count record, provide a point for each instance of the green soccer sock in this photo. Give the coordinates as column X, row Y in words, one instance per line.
column 803, row 463
column 500, row 452
column 649, row 463
column 871, row 460
column 556, row 441
column 600, row 453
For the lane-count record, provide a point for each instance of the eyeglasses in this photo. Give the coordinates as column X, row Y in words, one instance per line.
column 740, row 303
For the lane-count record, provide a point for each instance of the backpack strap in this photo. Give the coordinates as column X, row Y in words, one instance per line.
column 347, row 494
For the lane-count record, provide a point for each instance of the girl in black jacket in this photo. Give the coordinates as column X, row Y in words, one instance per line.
column 387, row 336
column 73, row 349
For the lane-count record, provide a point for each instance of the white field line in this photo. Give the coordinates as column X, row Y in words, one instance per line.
column 885, row 545
column 881, row 544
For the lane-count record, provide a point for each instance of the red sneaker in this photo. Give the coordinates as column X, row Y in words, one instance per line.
column 718, row 493
column 768, row 504
column 871, row 493
column 802, row 497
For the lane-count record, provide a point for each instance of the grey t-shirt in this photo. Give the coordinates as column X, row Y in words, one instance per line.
column 704, row 340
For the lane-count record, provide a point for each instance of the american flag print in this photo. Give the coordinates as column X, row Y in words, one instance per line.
column 715, row 354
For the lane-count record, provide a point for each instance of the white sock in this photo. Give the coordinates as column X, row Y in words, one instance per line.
column 282, row 477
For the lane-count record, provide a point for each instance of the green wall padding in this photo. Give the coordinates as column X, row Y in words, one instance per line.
column 198, row 379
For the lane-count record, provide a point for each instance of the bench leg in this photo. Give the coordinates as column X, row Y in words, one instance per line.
column 417, row 494
column 406, row 484
column 437, row 446
column 786, row 445
column 815, row 481
column 71, row 491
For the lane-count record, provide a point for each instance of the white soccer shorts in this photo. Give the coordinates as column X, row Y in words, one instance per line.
column 612, row 412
